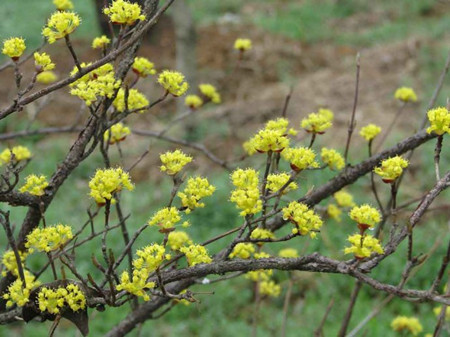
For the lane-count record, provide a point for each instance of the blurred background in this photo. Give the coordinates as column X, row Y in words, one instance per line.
column 309, row 45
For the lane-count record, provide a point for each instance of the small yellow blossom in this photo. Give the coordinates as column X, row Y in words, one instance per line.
column 178, row 239
column 14, row 155
column 143, row 67
column 261, row 234
column 247, row 194
column 269, row 140
column 306, row 221
column 196, row 254
column 17, row 293
column 280, row 125
column 49, row 239
column 43, row 62
column 14, row 47
column 63, row 5
column 405, row 94
column 138, row 285
column 408, row 324
column 332, row 158
column 300, row 158
column 173, row 162
column 107, row 182
column 288, row 253
column 276, row 181
column 437, row 311
column 370, row 131
column 35, row 185
column 173, row 82
column 136, row 101
column 364, row 247
column 196, row 189
column 150, row 258
column 10, row 262
column 210, row 92
column 259, row 275
column 439, row 121
column 51, row 300
column 391, row 168
column 165, row 218
column 124, row 12
column 193, row 101
column 316, row 123
column 75, row 298
column 118, row 133
column 46, row 77
column 344, row 199
column 59, row 25
column 100, row 82
column 327, row 113
column 243, row 44
column 100, row 42
column 365, row 216
column 242, row 251
column 249, row 148
column 269, row 288
column 334, row 212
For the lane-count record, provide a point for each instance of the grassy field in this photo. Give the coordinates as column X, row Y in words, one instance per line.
column 229, row 310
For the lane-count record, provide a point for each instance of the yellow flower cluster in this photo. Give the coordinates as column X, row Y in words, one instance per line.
column 408, row 324
column 138, row 285
column 150, row 258
column 46, row 77
column 52, row 300
column 17, row 293
column 116, row 134
column 261, row 234
column 43, row 62
column 15, row 155
column 10, row 262
column 193, row 101
column 210, row 92
column 143, row 67
column 246, row 196
column 332, row 158
column 173, row 82
column 166, row 218
column 63, row 5
column 281, row 125
column 14, row 47
column 98, row 83
column 344, row 199
column 269, row 140
column 100, row 42
column 318, row 122
column 196, row 254
column 135, row 101
column 439, row 121
column 369, row 131
column 173, row 162
column 196, row 189
column 365, row 215
column 107, row 182
column 49, row 238
column 269, row 288
column 243, row 44
column 437, row 311
column 59, row 25
column 391, row 168
column 288, row 253
column 334, row 212
column 123, row 12
column 178, row 239
column 242, row 251
column 306, row 221
column 35, row 185
column 363, row 247
column 405, row 94
column 300, row 158
column 276, row 181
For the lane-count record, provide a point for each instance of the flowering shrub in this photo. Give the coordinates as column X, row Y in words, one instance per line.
column 276, row 208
